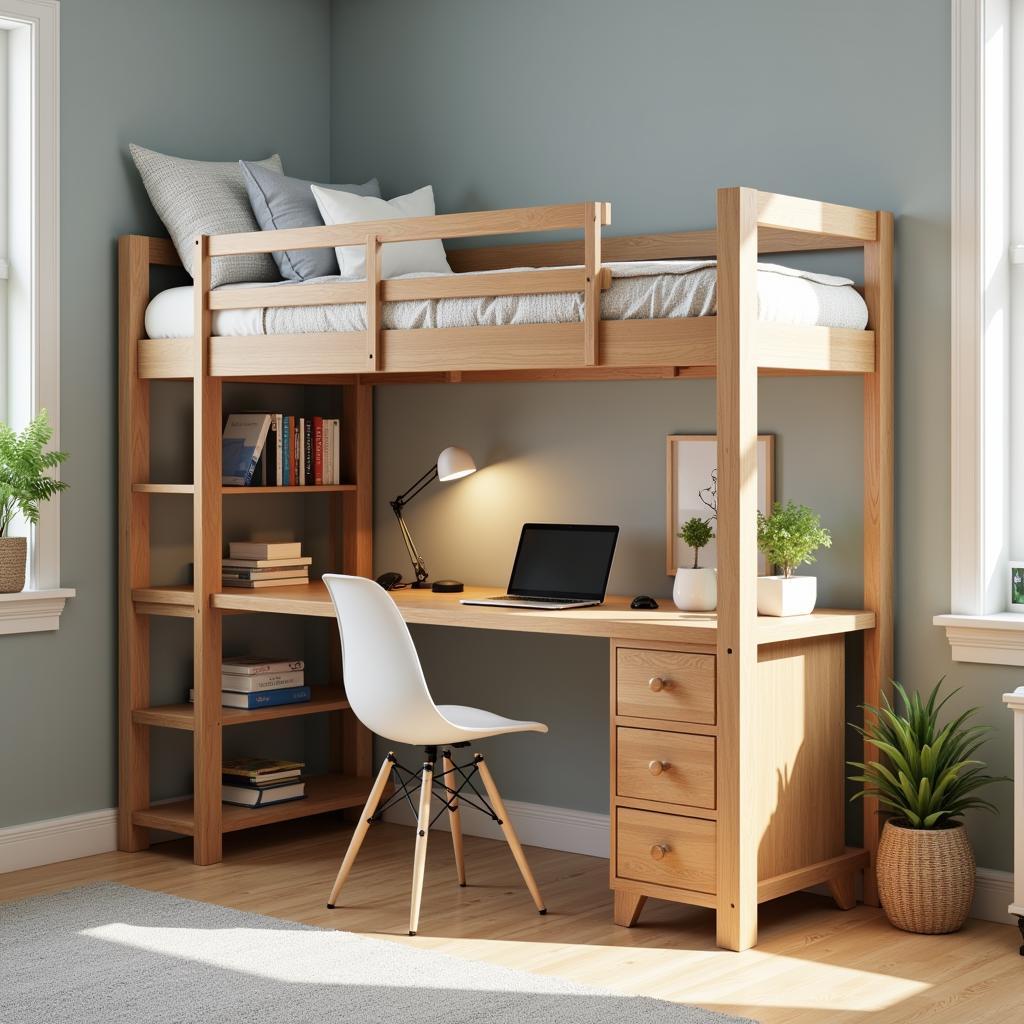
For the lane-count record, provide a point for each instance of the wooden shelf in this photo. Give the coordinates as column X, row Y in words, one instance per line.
column 323, row 793
column 612, row 619
column 233, row 491
column 182, row 716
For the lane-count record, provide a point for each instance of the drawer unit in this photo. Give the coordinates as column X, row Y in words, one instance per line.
column 673, row 767
column 669, row 685
column 665, row 849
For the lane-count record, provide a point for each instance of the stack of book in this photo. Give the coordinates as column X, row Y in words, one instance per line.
column 267, row 449
column 258, row 782
column 251, row 682
column 255, row 565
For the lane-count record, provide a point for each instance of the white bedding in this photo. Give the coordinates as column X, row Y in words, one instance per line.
column 638, row 291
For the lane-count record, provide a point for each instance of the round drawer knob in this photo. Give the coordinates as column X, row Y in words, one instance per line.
column 658, row 851
column 657, row 684
column 657, row 767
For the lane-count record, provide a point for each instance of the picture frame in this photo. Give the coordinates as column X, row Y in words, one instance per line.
column 1015, row 586
column 690, row 460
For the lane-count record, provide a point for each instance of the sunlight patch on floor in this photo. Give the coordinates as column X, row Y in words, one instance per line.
column 750, row 978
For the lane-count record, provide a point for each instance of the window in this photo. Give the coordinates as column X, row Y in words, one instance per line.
column 29, row 271
column 987, row 316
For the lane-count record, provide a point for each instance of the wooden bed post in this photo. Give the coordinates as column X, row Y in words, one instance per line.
column 736, row 398
column 207, row 546
column 133, row 551
column 592, row 292
column 878, row 501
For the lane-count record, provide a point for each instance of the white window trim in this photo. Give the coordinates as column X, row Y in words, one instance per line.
column 39, row 607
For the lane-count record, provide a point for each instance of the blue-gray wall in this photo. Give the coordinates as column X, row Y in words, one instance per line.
column 652, row 105
column 185, row 77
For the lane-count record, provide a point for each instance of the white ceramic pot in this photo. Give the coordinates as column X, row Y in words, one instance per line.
column 695, row 590
column 777, row 595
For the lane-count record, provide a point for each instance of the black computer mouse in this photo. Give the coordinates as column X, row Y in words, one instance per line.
column 643, row 602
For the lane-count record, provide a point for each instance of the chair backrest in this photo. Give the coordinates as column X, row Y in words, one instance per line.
column 384, row 681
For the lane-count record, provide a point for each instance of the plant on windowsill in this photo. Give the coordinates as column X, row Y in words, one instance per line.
column 25, row 482
column 789, row 538
column 696, row 588
column 926, row 780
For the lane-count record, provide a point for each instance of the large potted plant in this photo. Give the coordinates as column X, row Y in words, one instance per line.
column 789, row 538
column 926, row 780
column 25, row 483
column 696, row 588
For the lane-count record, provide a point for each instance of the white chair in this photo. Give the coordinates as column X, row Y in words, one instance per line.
column 385, row 687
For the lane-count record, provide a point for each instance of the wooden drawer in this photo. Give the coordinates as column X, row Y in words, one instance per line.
column 670, row 766
column 665, row 849
column 671, row 685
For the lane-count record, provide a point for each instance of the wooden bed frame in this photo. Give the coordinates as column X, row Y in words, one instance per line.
column 733, row 346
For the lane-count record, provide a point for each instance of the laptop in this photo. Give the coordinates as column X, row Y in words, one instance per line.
column 558, row 566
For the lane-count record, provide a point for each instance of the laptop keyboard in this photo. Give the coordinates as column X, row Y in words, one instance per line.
column 539, row 600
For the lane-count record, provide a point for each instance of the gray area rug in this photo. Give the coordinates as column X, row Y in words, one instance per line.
column 106, row 954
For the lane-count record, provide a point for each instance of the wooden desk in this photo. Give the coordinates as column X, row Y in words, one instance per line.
column 668, row 738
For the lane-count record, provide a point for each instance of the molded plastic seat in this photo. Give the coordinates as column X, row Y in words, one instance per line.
column 384, row 681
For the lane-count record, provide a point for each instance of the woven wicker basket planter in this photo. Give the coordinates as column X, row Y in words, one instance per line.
column 13, row 557
column 925, row 878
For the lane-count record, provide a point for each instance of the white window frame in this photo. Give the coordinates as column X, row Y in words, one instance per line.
column 978, row 626
column 39, row 607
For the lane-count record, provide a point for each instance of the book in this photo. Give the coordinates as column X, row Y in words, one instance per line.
column 318, row 450
column 252, row 767
column 327, row 452
column 300, row 452
column 278, row 479
column 307, row 453
column 241, row 446
column 253, row 796
column 286, row 447
column 265, row 550
column 230, row 572
column 270, row 779
column 267, row 699
column 291, row 581
column 261, row 683
column 336, row 451
column 256, row 665
column 267, row 563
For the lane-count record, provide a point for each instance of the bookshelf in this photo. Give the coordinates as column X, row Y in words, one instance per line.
column 347, row 519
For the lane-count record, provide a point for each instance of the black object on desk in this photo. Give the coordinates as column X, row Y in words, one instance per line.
column 642, row 603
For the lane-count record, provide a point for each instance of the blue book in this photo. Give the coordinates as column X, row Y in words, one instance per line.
column 245, row 434
column 286, row 442
column 262, row 698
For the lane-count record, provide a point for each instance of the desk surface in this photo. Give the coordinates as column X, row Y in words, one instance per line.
column 612, row 619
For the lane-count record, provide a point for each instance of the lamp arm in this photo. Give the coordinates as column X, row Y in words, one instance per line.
column 418, row 568
column 407, row 496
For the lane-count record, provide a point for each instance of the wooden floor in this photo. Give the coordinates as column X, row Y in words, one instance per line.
column 813, row 963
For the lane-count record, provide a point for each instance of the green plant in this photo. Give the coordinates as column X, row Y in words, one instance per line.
column 24, row 467
column 930, row 777
column 790, row 536
column 696, row 533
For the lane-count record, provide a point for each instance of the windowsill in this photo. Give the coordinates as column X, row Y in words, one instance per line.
column 996, row 639
column 32, row 611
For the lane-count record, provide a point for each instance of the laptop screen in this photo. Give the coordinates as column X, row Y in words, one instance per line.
column 563, row 561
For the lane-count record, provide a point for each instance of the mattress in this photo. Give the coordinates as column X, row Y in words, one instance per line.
column 638, row 291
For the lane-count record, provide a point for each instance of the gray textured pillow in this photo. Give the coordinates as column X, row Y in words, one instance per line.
column 282, row 202
column 198, row 197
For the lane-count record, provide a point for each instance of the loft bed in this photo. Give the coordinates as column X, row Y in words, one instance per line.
column 734, row 346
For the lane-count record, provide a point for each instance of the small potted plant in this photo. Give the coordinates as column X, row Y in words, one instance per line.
column 24, row 483
column 926, row 780
column 789, row 537
column 696, row 588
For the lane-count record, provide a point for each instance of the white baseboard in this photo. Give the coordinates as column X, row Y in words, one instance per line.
column 559, row 828
column 57, row 839
column 553, row 828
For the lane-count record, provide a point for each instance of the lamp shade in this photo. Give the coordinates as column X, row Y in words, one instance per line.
column 453, row 463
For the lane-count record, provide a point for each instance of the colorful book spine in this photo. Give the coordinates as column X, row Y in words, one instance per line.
column 318, row 450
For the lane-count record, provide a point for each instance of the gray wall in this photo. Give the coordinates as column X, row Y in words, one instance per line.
column 652, row 105
column 184, row 78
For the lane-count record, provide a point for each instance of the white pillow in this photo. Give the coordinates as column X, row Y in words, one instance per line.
column 396, row 258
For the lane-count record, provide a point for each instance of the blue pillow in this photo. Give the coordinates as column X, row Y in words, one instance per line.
column 281, row 202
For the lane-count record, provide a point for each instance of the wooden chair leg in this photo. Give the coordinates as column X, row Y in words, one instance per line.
column 627, row 907
column 843, row 890
column 362, row 827
column 454, row 817
column 510, row 833
column 420, row 857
